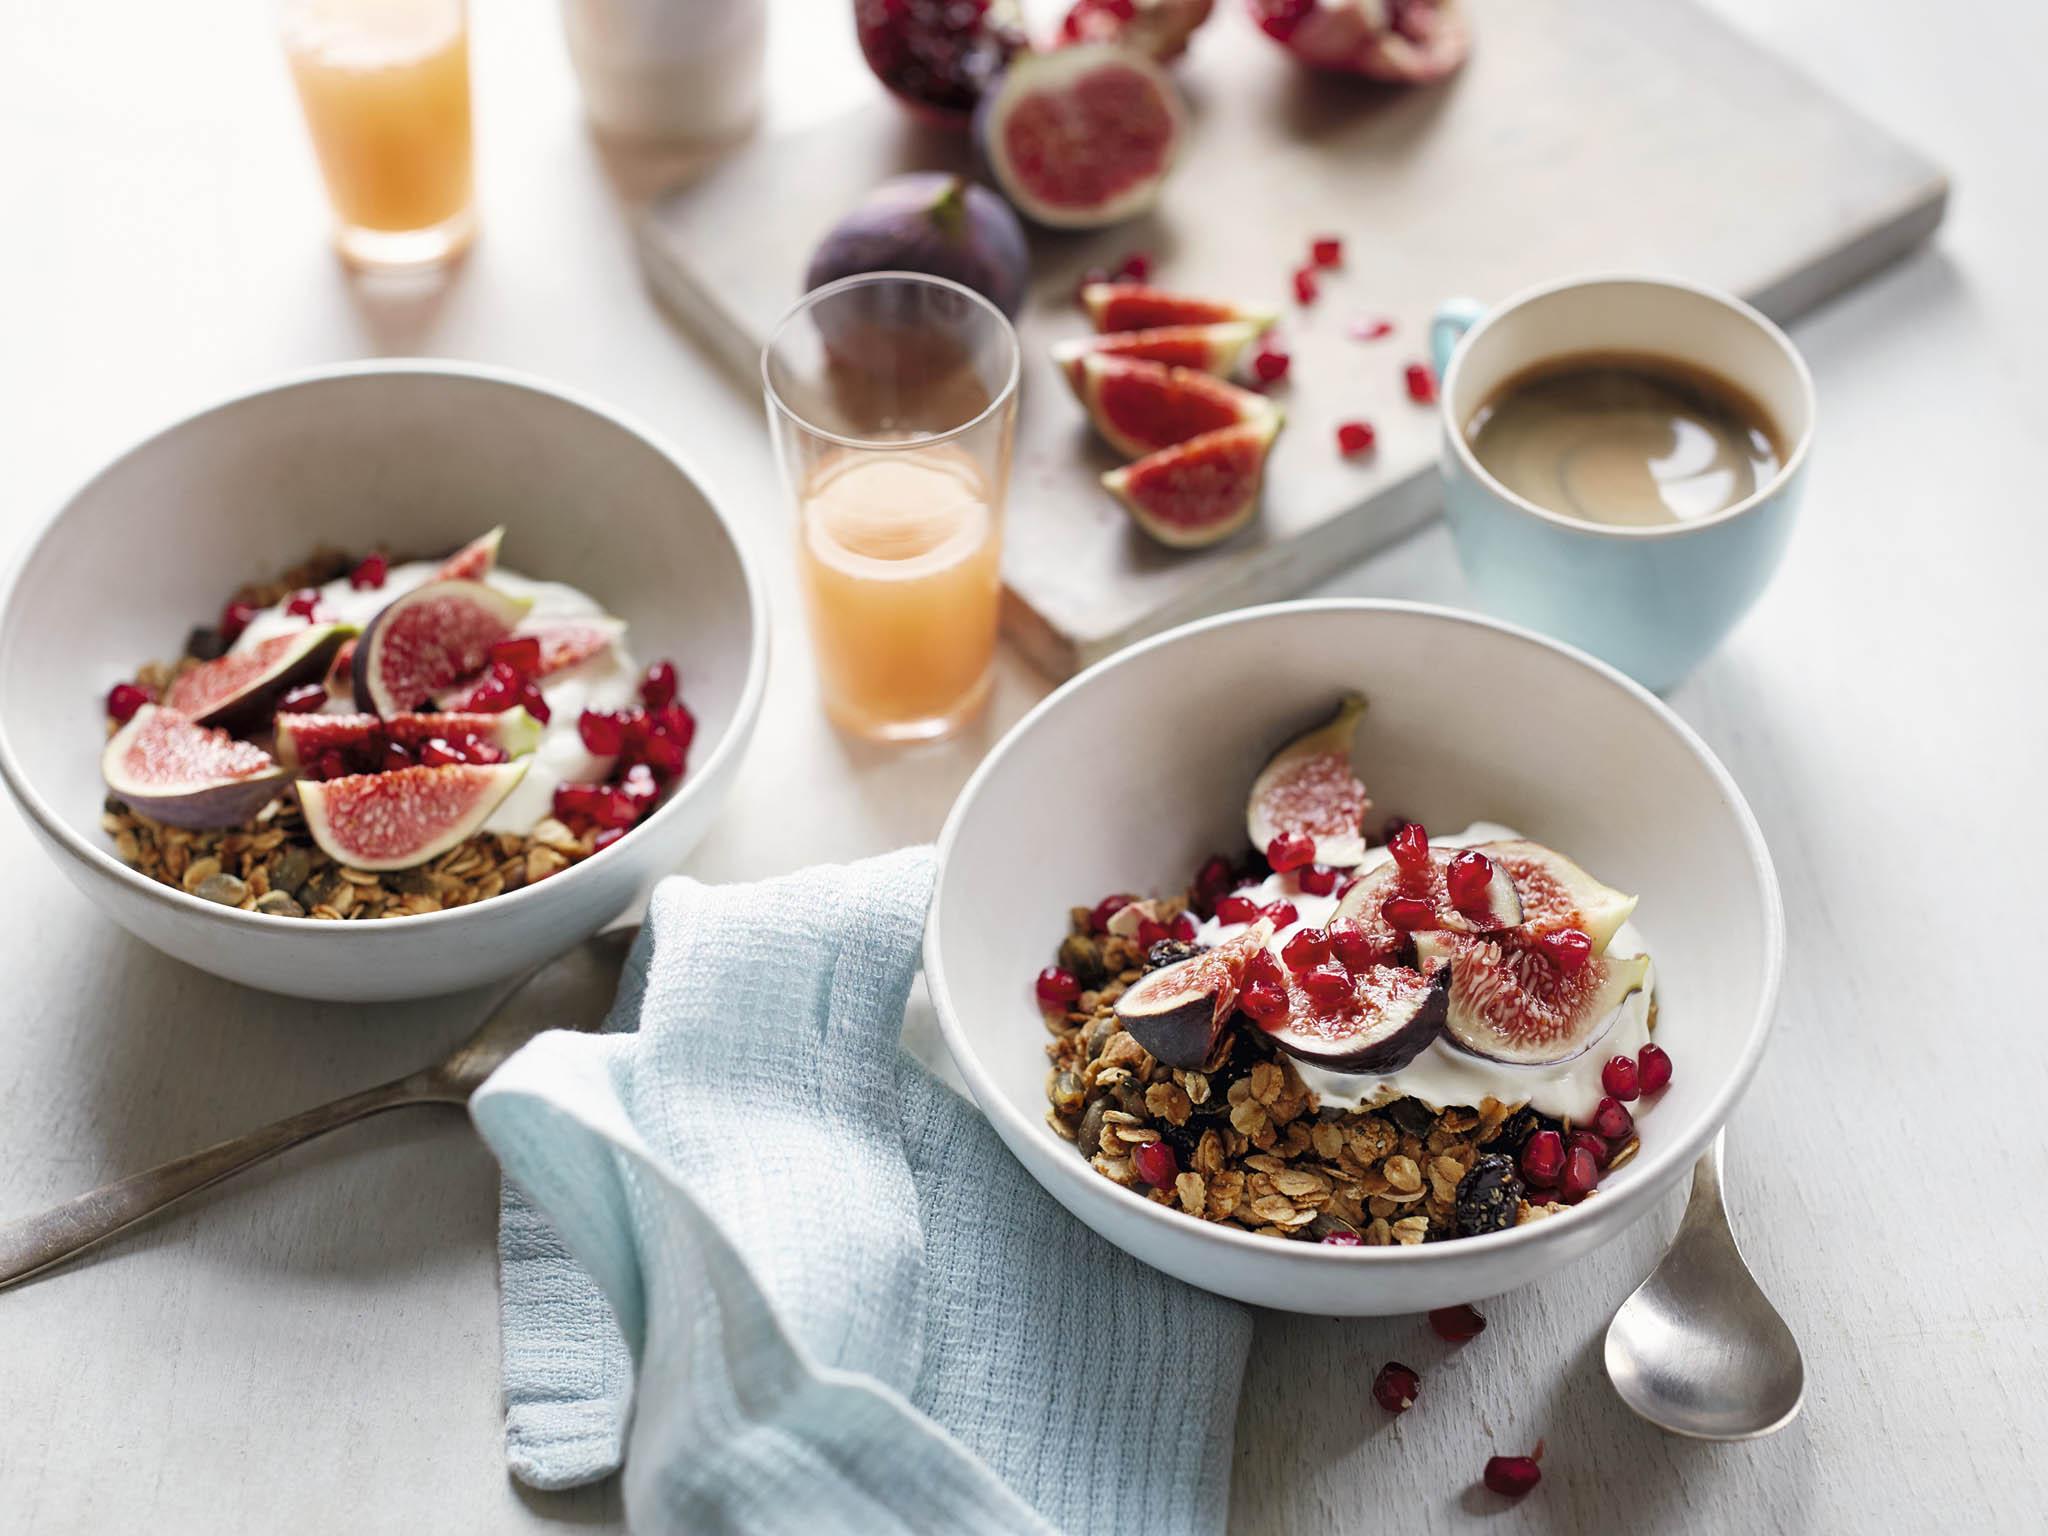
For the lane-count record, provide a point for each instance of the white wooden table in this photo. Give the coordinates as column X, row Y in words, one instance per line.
column 315, row 1347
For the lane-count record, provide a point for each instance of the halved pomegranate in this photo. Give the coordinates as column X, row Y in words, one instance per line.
column 1405, row 42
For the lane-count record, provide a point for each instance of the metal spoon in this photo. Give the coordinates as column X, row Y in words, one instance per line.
column 571, row 992
column 1699, row 1350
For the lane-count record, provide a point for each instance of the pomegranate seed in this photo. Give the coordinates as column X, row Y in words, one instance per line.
column 1613, row 1120
column 1328, row 985
column 1589, row 1142
column 519, row 652
column 330, row 765
column 234, row 619
column 1263, row 1001
column 1543, row 1157
column 123, row 699
column 1470, row 879
column 1455, row 1325
column 1653, row 1068
column 1184, row 928
column 369, row 576
column 1512, row 1476
column 1581, row 1173
column 1408, row 913
column 677, row 724
column 533, row 703
column 1567, row 949
column 1282, row 913
column 1307, row 948
column 1057, row 987
column 1135, row 267
column 1355, row 437
column 1317, row 879
column 1326, row 251
column 472, row 748
column 1089, row 279
column 500, row 690
column 1290, row 850
column 1265, row 966
column 1619, row 1078
column 1343, row 1238
column 300, row 604
column 1396, row 1387
column 1270, row 364
column 1371, row 330
column 1157, row 1165
column 640, row 786
column 392, row 756
column 1421, row 383
column 436, row 753
column 606, row 838
column 1105, row 909
column 1354, row 948
column 1212, row 880
column 1237, row 909
column 1305, row 285
column 574, row 802
column 602, row 734
column 1151, row 931
column 661, row 753
column 658, row 685
column 1410, row 847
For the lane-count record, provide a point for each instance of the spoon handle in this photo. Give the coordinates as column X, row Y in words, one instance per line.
column 35, row 1243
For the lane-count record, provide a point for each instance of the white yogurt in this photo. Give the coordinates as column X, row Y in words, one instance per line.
column 1443, row 1074
column 607, row 681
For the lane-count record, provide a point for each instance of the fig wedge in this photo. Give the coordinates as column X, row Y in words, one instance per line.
column 1394, row 1014
column 1500, row 907
column 236, row 691
column 403, row 818
column 1509, row 1003
column 1308, row 788
column 421, row 642
column 1178, row 1011
column 1556, row 893
column 185, row 775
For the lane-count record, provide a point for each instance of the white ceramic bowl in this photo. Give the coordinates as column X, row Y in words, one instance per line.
column 1127, row 776
column 422, row 456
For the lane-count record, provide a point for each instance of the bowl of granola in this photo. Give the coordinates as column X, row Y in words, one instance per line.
column 1354, row 957
column 384, row 681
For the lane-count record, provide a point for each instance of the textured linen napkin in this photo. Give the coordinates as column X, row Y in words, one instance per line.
column 799, row 1285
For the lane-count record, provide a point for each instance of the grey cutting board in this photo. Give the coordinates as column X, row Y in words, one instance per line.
column 1583, row 135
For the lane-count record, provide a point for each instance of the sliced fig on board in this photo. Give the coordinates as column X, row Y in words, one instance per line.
column 475, row 560
column 1081, row 137
column 237, row 690
column 1308, row 788
column 1177, row 1011
column 1402, row 42
column 403, row 818
column 1454, row 903
column 421, row 642
column 1201, row 491
column 1390, row 1018
column 1510, row 1003
column 1207, row 348
column 1140, row 407
column 1556, row 893
column 165, row 767
column 1135, row 307
column 304, row 739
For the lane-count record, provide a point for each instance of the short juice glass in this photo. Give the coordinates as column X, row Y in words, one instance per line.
column 385, row 87
column 892, row 401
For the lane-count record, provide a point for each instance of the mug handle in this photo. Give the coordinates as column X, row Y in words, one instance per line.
column 1454, row 317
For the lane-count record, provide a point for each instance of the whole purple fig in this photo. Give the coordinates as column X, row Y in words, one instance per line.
column 936, row 223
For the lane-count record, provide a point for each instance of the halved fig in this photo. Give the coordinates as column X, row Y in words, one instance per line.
column 1556, row 893
column 167, row 768
column 1509, row 1003
column 1082, row 137
column 1392, row 1016
column 302, row 739
column 236, row 691
column 475, row 560
column 1135, row 307
column 1141, row 407
column 1308, row 788
column 403, row 818
column 1177, row 1011
column 421, row 642
column 1497, row 906
column 1209, row 348
column 1201, row 491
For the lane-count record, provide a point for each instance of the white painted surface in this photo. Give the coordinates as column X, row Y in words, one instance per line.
column 314, row 1348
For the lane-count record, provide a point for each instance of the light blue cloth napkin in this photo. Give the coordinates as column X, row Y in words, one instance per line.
column 841, row 1306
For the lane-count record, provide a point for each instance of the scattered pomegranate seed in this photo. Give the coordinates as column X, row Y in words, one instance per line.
column 1237, row 909
column 1089, row 279
column 1567, row 949
column 1343, row 1238
column 1355, row 437
column 1263, row 1000
column 306, row 699
column 1589, row 1142
column 1613, row 1120
column 1328, row 985
column 519, row 652
column 1290, row 850
column 1512, row 1476
column 1283, row 913
column 1151, row 931
column 1407, row 913
column 1619, row 1078
column 1105, row 909
column 1653, row 1068
column 1135, row 267
column 1421, row 383
column 1270, row 365
column 1543, row 1157
column 393, row 755
column 1326, row 251
column 123, row 699
column 1058, row 987
column 1156, row 1164
column 1309, row 947
column 532, row 701
column 1470, row 878
column 1371, row 330
column 1396, row 1387
column 602, row 734
column 640, row 786
column 658, row 685
column 1410, row 847
column 606, row 838
column 472, row 748
column 1353, row 948
column 1212, row 880
column 1581, row 1173
column 437, row 753
column 301, row 604
column 1454, row 1325
column 1317, row 879
column 370, row 574
column 662, row 753
column 234, row 619
column 1184, row 928
column 330, row 765
column 1265, row 966
column 1305, row 285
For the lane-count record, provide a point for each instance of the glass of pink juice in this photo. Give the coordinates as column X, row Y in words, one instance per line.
column 892, row 402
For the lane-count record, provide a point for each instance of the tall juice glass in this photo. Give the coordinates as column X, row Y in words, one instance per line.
column 385, row 88
column 892, row 401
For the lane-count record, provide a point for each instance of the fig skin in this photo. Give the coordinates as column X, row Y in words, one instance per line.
column 931, row 222
column 1178, row 1011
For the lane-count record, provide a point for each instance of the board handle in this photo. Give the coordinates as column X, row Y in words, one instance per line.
column 1454, row 317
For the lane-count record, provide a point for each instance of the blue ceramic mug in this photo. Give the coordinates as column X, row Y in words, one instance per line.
column 1651, row 600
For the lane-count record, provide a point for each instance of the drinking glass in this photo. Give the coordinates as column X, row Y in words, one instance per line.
column 892, row 402
column 385, row 88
